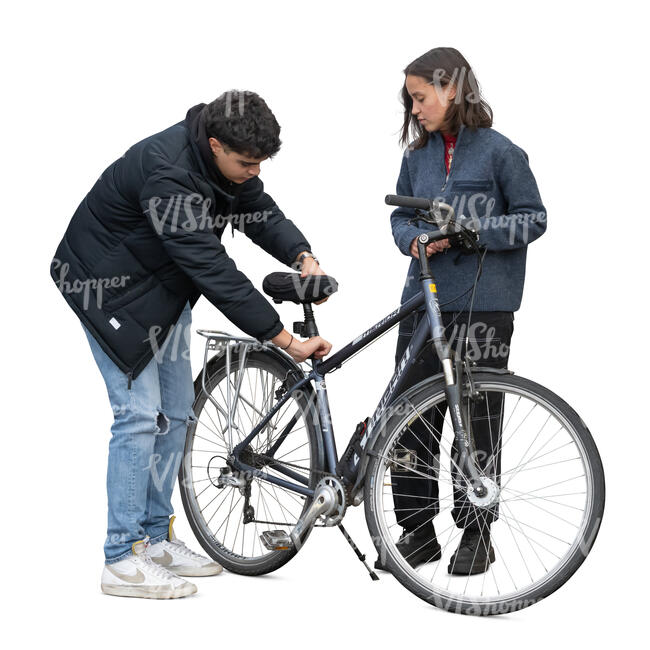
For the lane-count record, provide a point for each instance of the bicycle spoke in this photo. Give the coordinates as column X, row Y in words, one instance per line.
column 528, row 453
column 551, row 498
column 243, row 397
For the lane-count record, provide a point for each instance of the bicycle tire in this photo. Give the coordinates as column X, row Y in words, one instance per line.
column 429, row 392
column 279, row 366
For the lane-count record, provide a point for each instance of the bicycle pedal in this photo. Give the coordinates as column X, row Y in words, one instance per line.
column 276, row 540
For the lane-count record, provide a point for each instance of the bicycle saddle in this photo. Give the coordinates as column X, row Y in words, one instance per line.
column 291, row 287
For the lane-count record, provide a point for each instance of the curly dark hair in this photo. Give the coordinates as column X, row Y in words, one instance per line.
column 241, row 120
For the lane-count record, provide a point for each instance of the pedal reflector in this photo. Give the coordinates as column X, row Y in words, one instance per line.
column 276, row 540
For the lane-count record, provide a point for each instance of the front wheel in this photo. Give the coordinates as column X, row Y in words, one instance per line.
column 542, row 513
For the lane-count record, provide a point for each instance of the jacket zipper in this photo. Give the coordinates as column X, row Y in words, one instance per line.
column 444, row 167
column 451, row 165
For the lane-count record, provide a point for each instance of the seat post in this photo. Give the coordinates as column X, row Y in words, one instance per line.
column 310, row 322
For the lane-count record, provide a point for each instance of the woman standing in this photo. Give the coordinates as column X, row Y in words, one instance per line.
column 455, row 156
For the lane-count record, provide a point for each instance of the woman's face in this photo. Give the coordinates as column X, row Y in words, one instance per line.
column 430, row 102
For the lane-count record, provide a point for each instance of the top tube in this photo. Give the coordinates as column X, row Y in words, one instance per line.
column 370, row 335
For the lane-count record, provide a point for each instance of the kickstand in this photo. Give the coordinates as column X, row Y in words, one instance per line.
column 362, row 557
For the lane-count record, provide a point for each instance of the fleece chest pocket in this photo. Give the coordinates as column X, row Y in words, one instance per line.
column 472, row 186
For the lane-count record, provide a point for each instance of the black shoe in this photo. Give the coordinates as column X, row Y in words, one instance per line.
column 418, row 547
column 474, row 553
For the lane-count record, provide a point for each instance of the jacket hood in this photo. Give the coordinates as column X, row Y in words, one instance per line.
column 195, row 123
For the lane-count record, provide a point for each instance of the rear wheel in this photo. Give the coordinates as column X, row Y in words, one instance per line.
column 229, row 520
column 548, row 493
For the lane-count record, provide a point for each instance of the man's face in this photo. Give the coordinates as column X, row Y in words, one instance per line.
column 236, row 167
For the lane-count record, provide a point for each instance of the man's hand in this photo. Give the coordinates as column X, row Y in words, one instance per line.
column 434, row 247
column 310, row 267
column 302, row 350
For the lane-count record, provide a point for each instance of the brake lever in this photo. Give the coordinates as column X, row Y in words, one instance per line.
column 422, row 215
column 459, row 236
column 463, row 237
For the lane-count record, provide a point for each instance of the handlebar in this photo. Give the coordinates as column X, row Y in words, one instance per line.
column 433, row 207
column 458, row 235
column 408, row 202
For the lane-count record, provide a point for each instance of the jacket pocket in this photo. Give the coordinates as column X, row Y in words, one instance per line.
column 119, row 273
column 473, row 186
column 134, row 291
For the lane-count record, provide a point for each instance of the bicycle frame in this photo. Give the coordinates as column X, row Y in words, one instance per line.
column 428, row 327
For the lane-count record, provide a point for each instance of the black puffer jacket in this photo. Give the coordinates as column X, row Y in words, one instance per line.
column 147, row 238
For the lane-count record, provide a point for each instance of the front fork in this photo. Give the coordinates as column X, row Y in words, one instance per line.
column 453, row 380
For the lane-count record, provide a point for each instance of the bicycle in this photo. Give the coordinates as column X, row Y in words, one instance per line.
column 261, row 468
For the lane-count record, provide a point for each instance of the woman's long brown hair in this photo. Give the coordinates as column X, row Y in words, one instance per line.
column 440, row 67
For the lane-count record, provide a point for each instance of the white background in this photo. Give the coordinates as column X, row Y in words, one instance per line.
column 84, row 81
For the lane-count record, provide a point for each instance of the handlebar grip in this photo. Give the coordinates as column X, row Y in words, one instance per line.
column 407, row 201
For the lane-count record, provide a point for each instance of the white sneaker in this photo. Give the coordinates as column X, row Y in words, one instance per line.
column 172, row 554
column 138, row 576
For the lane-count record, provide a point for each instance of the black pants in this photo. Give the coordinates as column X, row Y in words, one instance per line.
column 415, row 496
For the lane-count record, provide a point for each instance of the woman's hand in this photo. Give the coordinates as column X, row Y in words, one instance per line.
column 302, row 350
column 434, row 247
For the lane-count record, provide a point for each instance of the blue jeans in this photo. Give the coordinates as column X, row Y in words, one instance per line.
column 148, row 437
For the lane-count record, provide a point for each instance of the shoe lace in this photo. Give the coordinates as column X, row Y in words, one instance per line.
column 157, row 569
column 182, row 549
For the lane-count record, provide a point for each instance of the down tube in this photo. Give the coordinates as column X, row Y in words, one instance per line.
column 325, row 418
column 418, row 340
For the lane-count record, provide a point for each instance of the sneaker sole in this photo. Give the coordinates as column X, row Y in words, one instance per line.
column 196, row 572
column 161, row 592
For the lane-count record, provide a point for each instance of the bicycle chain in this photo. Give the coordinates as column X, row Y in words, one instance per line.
column 319, row 473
